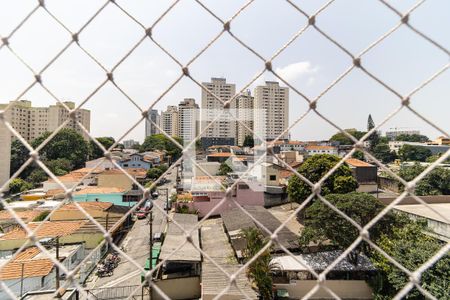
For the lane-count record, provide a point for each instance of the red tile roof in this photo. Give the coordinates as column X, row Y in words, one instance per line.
column 357, row 163
column 48, row 229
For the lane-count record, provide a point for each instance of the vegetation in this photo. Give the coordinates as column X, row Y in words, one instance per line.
column 19, row 155
column 259, row 271
column 384, row 153
column 414, row 153
column 374, row 137
column 19, row 185
column 344, row 140
column 161, row 142
column 224, row 169
column 248, row 141
column 96, row 152
column 154, row 173
column 340, row 233
column 358, row 155
column 437, row 182
column 314, row 168
column 42, row 216
column 412, row 138
column 410, row 247
column 435, row 157
column 184, row 209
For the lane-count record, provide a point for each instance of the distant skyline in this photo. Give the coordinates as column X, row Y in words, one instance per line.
column 404, row 60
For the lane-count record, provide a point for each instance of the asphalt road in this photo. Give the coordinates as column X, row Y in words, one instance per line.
column 136, row 245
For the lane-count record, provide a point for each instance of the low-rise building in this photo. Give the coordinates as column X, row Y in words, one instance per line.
column 365, row 174
column 434, row 148
column 9, row 222
column 320, row 149
column 100, row 194
column 32, row 270
column 118, row 179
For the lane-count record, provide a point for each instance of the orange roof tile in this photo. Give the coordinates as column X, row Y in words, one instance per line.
column 286, row 173
column 87, row 205
column 31, row 268
column 357, row 163
column 48, row 229
column 26, row 216
column 221, row 154
column 28, row 253
column 313, row 147
column 131, row 171
column 99, row 190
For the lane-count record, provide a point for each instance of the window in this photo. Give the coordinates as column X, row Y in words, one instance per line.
column 273, row 177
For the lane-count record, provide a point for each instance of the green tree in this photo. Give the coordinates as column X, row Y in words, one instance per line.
column 106, row 142
column 19, row 155
column 259, row 271
column 358, row 155
column 384, row 153
column 161, row 142
column 154, row 173
column 412, row 138
column 42, row 216
column 163, row 168
column 374, row 137
column 60, row 166
column 411, row 247
column 322, row 224
column 37, row 176
column 68, row 144
column 437, row 182
column 413, row 153
column 314, row 168
column 19, row 185
column 224, row 169
column 435, row 157
column 248, row 141
column 344, row 140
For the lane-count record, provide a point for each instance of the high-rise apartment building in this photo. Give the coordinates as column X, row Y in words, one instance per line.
column 31, row 122
column 245, row 114
column 187, row 120
column 169, row 120
column 274, row 100
column 151, row 129
column 225, row 127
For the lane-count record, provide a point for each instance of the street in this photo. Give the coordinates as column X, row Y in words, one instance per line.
column 136, row 245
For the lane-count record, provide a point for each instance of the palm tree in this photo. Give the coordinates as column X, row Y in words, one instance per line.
column 260, row 270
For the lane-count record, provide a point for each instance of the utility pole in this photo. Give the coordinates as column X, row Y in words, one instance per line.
column 150, row 254
column 21, row 279
column 57, row 268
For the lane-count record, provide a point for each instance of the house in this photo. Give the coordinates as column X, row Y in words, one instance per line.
column 267, row 173
column 365, row 174
column 290, row 146
column 100, row 194
column 69, row 232
column 219, row 157
column 80, row 177
column 179, row 275
column 320, row 149
column 290, row 157
column 103, row 163
column 106, row 214
column 209, row 196
column 8, row 222
column 434, row 148
column 294, row 279
column 33, row 270
column 117, row 178
column 137, row 160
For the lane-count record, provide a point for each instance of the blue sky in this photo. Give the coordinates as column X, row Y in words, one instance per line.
column 310, row 63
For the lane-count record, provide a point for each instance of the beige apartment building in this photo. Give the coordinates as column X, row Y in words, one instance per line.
column 187, row 119
column 224, row 127
column 31, row 122
column 274, row 99
column 169, row 120
column 245, row 114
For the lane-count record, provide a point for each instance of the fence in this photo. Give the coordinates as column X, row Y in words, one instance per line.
column 147, row 33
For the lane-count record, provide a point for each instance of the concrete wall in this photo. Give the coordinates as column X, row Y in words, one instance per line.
column 178, row 288
column 345, row 289
column 115, row 198
column 5, row 153
column 91, row 240
column 29, row 284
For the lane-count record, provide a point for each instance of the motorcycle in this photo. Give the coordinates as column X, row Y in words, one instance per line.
column 104, row 271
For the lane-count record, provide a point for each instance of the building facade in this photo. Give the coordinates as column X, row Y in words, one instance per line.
column 274, row 100
column 224, row 127
column 169, row 120
column 31, row 122
column 393, row 134
column 245, row 114
column 187, row 120
column 151, row 129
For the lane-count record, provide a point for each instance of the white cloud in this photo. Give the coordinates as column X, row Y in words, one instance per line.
column 296, row 70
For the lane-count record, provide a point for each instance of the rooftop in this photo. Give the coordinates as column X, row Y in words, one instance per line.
column 48, row 229
column 88, row 205
column 318, row 147
column 99, row 190
column 26, row 216
column 139, row 172
column 423, row 211
column 175, row 237
column 357, row 163
column 320, row 261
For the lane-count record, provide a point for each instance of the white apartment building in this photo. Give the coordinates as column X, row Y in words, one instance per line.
column 244, row 105
column 393, row 134
column 274, row 99
column 225, row 127
column 169, row 120
column 31, row 122
column 151, row 129
column 187, row 119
